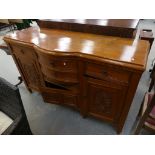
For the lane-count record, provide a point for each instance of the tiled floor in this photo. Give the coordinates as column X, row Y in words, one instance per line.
column 45, row 118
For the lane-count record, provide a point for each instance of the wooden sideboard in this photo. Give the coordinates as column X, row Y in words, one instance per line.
column 111, row 27
column 97, row 75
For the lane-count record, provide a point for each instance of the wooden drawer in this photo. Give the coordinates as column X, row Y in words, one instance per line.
column 70, row 100
column 107, row 73
column 56, row 96
column 67, row 77
column 61, row 64
column 52, row 95
column 73, row 88
column 64, row 65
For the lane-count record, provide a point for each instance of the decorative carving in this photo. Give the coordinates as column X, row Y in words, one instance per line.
column 102, row 102
column 30, row 73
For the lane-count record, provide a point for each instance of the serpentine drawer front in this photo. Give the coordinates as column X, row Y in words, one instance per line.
column 58, row 64
column 97, row 75
column 53, row 74
column 58, row 68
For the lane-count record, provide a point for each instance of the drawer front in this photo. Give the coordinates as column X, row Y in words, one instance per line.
column 70, row 100
column 59, row 97
column 58, row 63
column 50, row 83
column 64, row 65
column 107, row 72
column 54, row 98
column 74, row 88
column 60, row 76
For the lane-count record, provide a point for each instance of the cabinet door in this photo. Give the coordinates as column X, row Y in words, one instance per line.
column 30, row 73
column 104, row 99
column 26, row 62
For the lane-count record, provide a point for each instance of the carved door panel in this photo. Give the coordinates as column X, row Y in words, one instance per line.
column 29, row 72
column 25, row 59
column 105, row 99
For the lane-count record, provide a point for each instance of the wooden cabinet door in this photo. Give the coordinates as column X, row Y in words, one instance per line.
column 105, row 99
column 26, row 62
column 30, row 73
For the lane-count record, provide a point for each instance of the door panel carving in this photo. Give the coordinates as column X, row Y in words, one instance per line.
column 105, row 99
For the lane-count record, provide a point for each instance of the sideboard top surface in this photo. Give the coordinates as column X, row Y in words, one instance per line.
column 132, row 52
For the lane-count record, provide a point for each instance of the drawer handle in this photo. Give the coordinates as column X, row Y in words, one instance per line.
column 105, row 73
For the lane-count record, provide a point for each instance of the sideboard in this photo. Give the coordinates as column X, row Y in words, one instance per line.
column 97, row 75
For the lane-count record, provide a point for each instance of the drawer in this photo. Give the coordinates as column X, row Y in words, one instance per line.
column 20, row 51
column 70, row 100
column 64, row 65
column 107, row 72
column 50, row 95
column 74, row 88
column 59, row 97
column 55, row 98
column 58, row 63
column 67, row 77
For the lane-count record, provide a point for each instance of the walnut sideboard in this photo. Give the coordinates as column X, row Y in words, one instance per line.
column 97, row 75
